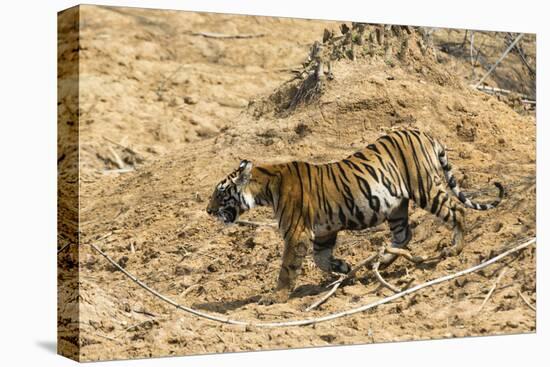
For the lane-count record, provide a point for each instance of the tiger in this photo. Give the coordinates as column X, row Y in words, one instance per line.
column 314, row 202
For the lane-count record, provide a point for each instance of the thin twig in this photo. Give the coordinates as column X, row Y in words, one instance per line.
column 522, row 55
column 120, row 170
column 226, row 36
column 492, row 289
column 106, row 337
column 189, row 289
column 488, row 89
column 499, row 60
column 63, row 248
column 255, row 224
column 382, row 280
column 335, row 285
column 527, row 302
column 116, row 158
column 472, row 49
column 70, row 243
column 128, row 149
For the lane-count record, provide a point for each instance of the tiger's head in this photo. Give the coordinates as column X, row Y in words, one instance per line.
column 231, row 197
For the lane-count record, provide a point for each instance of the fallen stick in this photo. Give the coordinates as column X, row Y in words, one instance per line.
column 310, row 321
column 255, row 224
column 499, row 60
column 226, row 36
column 119, row 170
column 335, row 285
column 485, row 88
column 492, row 289
column 521, row 55
column 63, row 248
column 129, row 150
column 116, row 158
column 98, row 239
column 382, row 280
column 527, row 302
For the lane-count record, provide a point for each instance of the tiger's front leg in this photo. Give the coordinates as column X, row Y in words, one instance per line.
column 293, row 255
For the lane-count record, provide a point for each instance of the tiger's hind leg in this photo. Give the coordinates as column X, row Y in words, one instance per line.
column 322, row 255
column 401, row 235
column 445, row 209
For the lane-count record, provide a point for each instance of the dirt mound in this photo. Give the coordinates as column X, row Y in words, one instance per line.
column 157, row 228
column 404, row 47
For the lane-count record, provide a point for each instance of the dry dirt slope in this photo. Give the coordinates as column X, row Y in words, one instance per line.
column 158, row 211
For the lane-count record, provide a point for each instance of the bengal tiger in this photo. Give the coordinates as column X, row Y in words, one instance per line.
column 313, row 202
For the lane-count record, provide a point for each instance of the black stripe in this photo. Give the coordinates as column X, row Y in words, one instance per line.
column 416, row 134
column 388, row 151
column 352, row 165
column 443, row 203
column 342, row 171
column 265, row 171
column 289, row 226
column 308, row 175
column 387, row 184
column 435, row 202
column 341, row 216
column 374, row 201
column 371, row 171
column 421, row 188
column 409, row 188
column 360, row 155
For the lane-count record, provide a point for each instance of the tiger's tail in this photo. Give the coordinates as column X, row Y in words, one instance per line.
column 451, row 181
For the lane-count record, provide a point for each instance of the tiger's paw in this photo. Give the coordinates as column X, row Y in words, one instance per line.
column 340, row 266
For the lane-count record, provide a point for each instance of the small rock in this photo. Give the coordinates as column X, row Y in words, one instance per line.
column 181, row 270
column 460, row 282
column 127, row 307
column 190, row 99
column 465, row 154
column 249, row 243
column 123, row 261
column 302, row 129
column 329, row 338
column 497, row 227
column 213, row 268
column 512, row 324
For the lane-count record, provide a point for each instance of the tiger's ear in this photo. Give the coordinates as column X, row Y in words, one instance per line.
column 244, row 173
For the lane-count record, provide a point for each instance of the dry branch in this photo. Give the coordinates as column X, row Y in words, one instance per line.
column 492, row 289
column 382, row 280
column 127, row 149
column 116, row 158
column 310, row 321
column 493, row 90
column 255, row 224
column 118, row 170
column 335, row 285
column 226, row 36
column 63, row 248
column 527, row 302
column 499, row 60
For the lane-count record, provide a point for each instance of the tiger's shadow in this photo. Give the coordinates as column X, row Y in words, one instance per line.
column 306, row 290
column 224, row 306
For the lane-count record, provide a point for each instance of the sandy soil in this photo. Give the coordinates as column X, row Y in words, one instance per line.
column 180, row 103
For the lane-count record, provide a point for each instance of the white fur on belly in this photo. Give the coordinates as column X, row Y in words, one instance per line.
column 249, row 200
